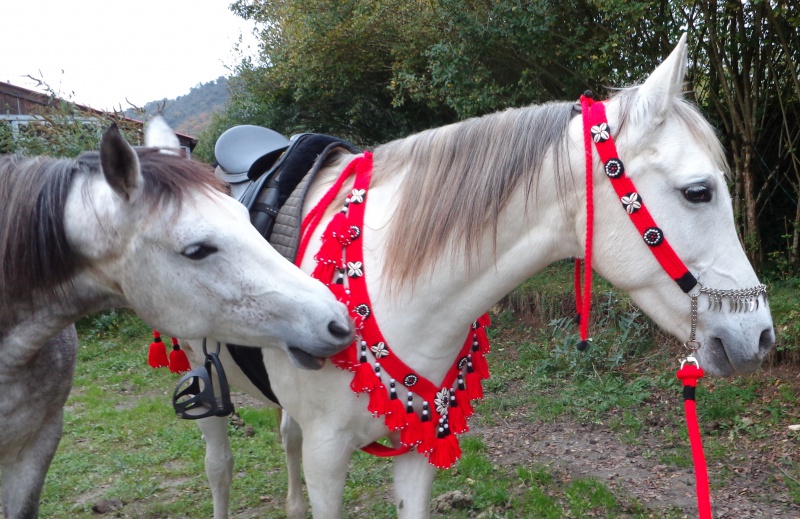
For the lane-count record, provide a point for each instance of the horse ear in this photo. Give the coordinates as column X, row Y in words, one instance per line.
column 120, row 164
column 158, row 134
column 663, row 86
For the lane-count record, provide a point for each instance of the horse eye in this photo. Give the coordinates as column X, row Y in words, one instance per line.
column 697, row 194
column 199, row 251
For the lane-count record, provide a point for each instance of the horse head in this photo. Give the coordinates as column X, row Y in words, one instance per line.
column 159, row 234
column 677, row 164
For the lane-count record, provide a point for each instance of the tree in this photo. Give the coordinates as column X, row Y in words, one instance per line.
column 373, row 70
column 745, row 72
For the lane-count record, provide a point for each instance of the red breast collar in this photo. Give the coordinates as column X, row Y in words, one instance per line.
column 445, row 406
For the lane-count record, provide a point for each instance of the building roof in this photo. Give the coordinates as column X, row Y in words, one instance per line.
column 16, row 100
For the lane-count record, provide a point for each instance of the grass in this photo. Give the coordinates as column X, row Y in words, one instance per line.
column 123, row 441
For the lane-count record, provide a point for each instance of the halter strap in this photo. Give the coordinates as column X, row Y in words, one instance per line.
column 596, row 128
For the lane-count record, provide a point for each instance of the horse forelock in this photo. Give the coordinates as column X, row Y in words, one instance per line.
column 460, row 177
column 34, row 250
column 168, row 178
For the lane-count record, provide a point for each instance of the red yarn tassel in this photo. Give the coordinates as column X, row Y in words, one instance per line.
column 340, row 229
column 329, row 259
column 396, row 415
column 480, row 365
column 178, row 362
column 157, row 356
column 395, row 410
column 484, row 320
column 364, row 379
column 412, row 434
column 324, row 271
column 446, row 451
column 474, row 387
column 457, row 420
column 378, row 401
column 462, row 398
column 331, row 250
column 483, row 341
column 428, row 437
column 346, row 359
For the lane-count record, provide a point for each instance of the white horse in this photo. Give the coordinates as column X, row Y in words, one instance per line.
column 143, row 230
column 458, row 216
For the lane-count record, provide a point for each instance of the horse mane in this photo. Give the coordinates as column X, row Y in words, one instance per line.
column 35, row 255
column 459, row 178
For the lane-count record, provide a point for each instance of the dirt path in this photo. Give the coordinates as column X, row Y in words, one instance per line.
column 573, row 450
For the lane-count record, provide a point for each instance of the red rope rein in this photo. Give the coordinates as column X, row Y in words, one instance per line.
column 689, row 373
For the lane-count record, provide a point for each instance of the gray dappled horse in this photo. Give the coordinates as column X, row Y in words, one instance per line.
column 138, row 229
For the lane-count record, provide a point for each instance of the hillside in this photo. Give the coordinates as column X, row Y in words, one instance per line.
column 190, row 113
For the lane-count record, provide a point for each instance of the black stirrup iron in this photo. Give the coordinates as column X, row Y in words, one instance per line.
column 194, row 397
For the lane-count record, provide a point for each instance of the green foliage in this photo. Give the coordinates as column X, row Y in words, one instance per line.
column 374, row 70
column 6, row 138
column 619, row 329
column 64, row 129
column 783, row 301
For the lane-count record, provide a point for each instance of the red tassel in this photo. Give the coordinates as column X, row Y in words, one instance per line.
column 463, row 400
column 178, row 362
column 457, row 421
column 378, row 401
column 331, row 250
column 412, row 434
column 364, row 379
column 446, row 451
column 324, row 271
column 480, row 365
column 329, row 259
column 484, row 320
column 157, row 356
column 474, row 387
column 396, row 415
column 483, row 341
column 340, row 229
column 346, row 359
column 428, row 436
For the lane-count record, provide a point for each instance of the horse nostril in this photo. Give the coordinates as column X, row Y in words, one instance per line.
column 766, row 340
column 339, row 330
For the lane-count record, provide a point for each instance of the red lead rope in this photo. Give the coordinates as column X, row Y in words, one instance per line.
column 689, row 373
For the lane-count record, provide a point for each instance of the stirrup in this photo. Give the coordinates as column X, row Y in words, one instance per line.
column 194, row 397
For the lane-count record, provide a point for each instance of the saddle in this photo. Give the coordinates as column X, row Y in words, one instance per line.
column 274, row 190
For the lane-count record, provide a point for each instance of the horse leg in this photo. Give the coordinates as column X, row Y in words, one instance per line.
column 292, row 439
column 219, row 462
column 413, row 480
column 23, row 479
column 325, row 461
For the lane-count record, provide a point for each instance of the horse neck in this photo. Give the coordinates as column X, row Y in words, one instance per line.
column 28, row 329
column 534, row 230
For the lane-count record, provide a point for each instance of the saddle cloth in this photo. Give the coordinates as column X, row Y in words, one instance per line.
column 275, row 200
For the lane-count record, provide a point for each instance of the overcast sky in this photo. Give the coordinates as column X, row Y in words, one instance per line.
column 100, row 52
